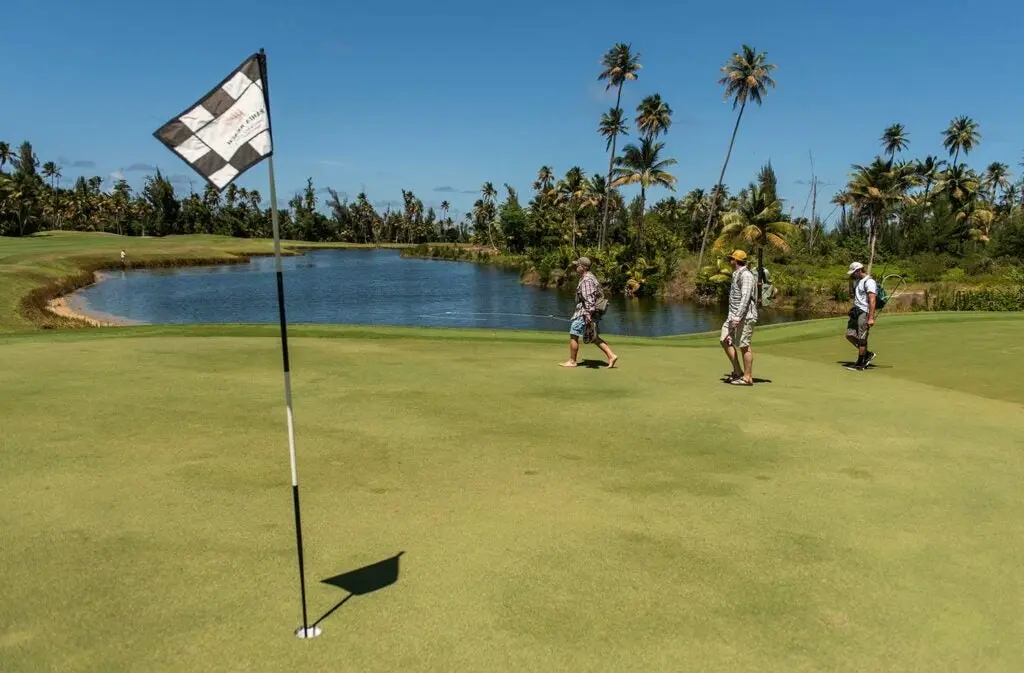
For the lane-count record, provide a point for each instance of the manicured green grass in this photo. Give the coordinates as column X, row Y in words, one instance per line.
column 645, row 519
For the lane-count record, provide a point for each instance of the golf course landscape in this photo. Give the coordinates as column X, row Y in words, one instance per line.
column 478, row 508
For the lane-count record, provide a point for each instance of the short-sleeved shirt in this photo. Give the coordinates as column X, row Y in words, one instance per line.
column 864, row 286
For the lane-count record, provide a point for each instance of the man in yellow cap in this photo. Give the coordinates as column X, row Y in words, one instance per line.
column 739, row 326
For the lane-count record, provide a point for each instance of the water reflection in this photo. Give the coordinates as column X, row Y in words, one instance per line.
column 375, row 287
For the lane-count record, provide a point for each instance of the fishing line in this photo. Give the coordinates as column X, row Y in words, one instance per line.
column 454, row 315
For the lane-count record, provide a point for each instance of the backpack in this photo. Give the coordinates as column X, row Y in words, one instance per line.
column 601, row 304
column 881, row 296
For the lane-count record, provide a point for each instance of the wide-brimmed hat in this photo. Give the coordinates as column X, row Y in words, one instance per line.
column 738, row 255
column 854, row 268
column 584, row 262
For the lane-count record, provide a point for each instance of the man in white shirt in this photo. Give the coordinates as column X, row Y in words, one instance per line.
column 862, row 315
column 739, row 325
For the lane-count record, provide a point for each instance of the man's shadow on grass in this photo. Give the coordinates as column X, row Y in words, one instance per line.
column 362, row 581
column 756, row 380
column 851, row 363
column 593, row 364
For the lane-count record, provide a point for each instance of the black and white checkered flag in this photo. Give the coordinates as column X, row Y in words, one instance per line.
column 222, row 135
column 227, row 131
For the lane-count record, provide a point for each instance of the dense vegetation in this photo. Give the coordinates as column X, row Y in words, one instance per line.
column 923, row 214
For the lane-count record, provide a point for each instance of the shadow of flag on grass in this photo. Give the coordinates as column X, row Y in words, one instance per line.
column 365, row 580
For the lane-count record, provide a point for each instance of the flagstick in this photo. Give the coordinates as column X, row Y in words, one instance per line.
column 305, row 631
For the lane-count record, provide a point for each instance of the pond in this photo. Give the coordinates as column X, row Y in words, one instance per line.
column 374, row 287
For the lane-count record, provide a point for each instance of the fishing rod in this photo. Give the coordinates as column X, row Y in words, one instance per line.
column 456, row 314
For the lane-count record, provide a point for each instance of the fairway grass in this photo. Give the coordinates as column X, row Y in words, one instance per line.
column 642, row 519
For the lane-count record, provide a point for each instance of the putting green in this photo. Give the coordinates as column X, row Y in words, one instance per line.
column 645, row 519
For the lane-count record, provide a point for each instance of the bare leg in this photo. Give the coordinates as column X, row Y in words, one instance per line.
column 748, row 364
column 574, row 350
column 730, row 352
column 607, row 350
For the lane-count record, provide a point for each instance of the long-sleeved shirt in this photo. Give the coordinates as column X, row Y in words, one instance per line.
column 586, row 295
column 741, row 296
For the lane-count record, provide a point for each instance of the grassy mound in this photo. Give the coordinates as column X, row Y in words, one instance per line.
column 649, row 518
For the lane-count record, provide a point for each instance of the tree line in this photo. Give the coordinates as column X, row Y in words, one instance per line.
column 892, row 206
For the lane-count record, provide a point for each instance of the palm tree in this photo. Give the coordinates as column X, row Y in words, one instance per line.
column 570, row 191
column 545, row 179
column 653, row 116
column 961, row 186
column 1010, row 195
column 747, row 78
column 758, row 221
column 874, row 191
column 612, row 125
column 620, row 64
column 642, row 165
column 842, row 199
column 928, row 172
column 49, row 171
column 445, row 206
column 6, row 155
column 894, row 140
column 997, row 176
column 962, row 134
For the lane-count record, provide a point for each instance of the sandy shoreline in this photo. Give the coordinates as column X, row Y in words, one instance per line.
column 64, row 307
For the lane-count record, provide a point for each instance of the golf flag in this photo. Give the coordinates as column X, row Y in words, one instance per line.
column 222, row 135
column 227, row 131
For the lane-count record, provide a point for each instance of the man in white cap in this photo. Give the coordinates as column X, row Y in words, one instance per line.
column 586, row 316
column 862, row 315
column 739, row 325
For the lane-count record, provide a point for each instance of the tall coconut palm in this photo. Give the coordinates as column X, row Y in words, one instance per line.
column 545, row 179
column 620, row 65
column 961, row 186
column 997, row 176
column 962, row 134
column 570, row 192
column 747, row 76
column 894, row 140
column 653, row 116
column 612, row 126
column 489, row 193
column 643, row 165
column 928, row 171
column 6, row 155
column 757, row 221
column 445, row 207
column 874, row 192
column 842, row 199
column 50, row 171
column 1010, row 196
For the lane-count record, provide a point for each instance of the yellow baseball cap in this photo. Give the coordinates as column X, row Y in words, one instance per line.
column 738, row 255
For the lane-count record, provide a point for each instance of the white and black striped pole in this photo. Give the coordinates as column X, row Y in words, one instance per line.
column 304, row 631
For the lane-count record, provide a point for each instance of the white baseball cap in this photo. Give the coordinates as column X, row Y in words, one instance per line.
column 856, row 266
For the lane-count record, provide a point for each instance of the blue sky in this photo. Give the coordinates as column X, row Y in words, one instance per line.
column 449, row 94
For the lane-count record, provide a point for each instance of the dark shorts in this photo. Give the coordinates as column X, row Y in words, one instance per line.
column 857, row 326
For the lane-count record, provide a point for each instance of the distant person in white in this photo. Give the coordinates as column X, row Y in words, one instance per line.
column 123, row 256
column 862, row 315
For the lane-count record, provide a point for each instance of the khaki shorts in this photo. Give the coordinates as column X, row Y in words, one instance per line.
column 857, row 326
column 740, row 336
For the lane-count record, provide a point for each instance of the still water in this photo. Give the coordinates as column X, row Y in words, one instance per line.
column 374, row 287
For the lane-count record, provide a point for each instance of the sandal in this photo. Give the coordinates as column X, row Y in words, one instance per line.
column 740, row 382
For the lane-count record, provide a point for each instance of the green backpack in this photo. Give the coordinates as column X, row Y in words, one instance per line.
column 881, row 296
